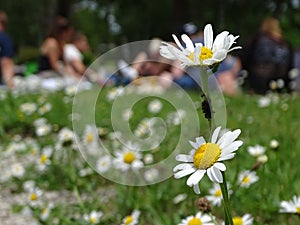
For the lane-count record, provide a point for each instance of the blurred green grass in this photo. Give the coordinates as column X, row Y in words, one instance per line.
column 278, row 178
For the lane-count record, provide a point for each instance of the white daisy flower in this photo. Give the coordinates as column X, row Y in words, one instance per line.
column 34, row 197
column 264, row 101
column 46, row 212
column 212, row 52
column 127, row 114
column 247, row 219
column 28, row 108
column 93, row 217
column 151, row 174
column 247, row 177
column 155, row 106
column 132, row 219
column 292, row 206
column 256, row 150
column 17, row 170
column 65, row 137
column 45, row 108
column 207, row 158
column 44, row 159
column 216, row 196
column 103, row 164
column 90, row 135
column 199, row 218
column 43, row 130
column 128, row 158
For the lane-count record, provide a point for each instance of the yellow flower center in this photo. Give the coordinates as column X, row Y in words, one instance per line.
column 237, row 221
column 206, row 53
column 128, row 220
column 206, row 155
column 89, row 138
column 218, row 193
column 93, row 220
column 43, row 159
column 33, row 197
column 195, row 221
column 298, row 210
column 129, row 157
column 246, row 180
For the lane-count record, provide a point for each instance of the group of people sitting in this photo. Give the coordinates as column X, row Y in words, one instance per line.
column 267, row 57
column 61, row 51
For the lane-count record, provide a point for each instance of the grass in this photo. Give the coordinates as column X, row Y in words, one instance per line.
column 278, row 178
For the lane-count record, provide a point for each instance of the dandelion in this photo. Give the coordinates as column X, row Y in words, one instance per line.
column 132, row 219
column 247, row 219
column 247, row 177
column 103, row 164
column 93, row 217
column 292, row 206
column 212, row 52
column 198, row 219
column 256, row 150
column 207, row 158
column 155, row 106
column 216, row 196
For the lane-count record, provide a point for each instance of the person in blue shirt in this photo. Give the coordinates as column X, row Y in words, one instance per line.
column 6, row 53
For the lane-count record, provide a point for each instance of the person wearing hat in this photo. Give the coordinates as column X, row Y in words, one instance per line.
column 6, row 53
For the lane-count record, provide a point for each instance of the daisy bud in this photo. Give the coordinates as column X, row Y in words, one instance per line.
column 203, row 205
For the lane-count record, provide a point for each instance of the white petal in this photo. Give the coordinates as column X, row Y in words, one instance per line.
column 165, row 52
column 228, row 138
column 184, row 158
column 188, row 42
column 196, row 189
column 215, row 135
column 208, row 36
column 194, row 144
column 220, row 166
column 195, row 177
column 226, row 157
column 232, row 147
column 215, row 175
column 184, row 173
column 219, row 41
column 182, row 166
column 200, row 141
column 177, row 42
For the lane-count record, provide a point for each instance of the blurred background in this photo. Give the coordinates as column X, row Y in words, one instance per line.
column 108, row 23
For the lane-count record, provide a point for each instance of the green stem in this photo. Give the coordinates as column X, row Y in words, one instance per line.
column 228, row 216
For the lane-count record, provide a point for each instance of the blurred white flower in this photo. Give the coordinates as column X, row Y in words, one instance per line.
column 44, row 159
column 132, row 219
column 28, row 108
column 151, row 174
column 93, row 217
column 43, row 130
column 247, row 219
column 292, row 206
column 262, row 159
column 34, row 197
column 114, row 93
column 127, row 114
column 199, row 218
column 103, row 164
column 264, row 101
column 155, row 106
column 148, row 158
column 216, row 196
column 247, row 177
column 256, row 150
column 46, row 211
column 45, row 108
column 65, row 137
column 274, row 144
column 128, row 158
column 17, row 170
column 179, row 198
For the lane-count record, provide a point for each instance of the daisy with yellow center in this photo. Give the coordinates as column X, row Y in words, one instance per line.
column 216, row 196
column 292, row 206
column 198, row 219
column 132, row 219
column 207, row 158
column 247, row 177
column 128, row 158
column 246, row 219
column 93, row 217
column 199, row 54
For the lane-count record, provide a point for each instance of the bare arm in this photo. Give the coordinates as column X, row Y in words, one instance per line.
column 7, row 66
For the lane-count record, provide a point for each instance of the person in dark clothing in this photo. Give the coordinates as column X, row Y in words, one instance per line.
column 6, row 53
column 51, row 58
column 268, row 57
